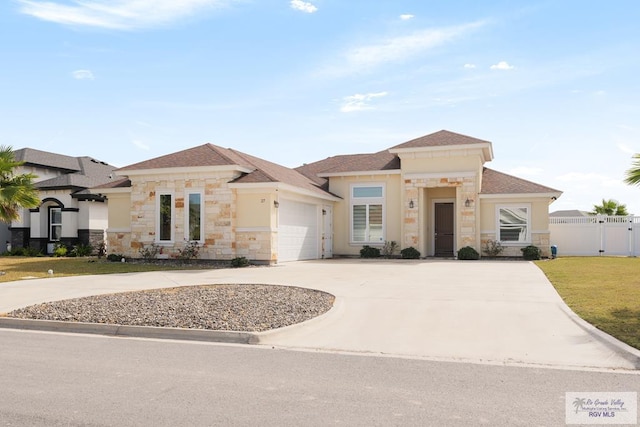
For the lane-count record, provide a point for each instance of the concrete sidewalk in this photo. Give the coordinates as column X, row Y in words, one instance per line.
column 489, row 311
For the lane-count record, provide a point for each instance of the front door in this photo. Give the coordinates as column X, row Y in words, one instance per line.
column 327, row 232
column 443, row 229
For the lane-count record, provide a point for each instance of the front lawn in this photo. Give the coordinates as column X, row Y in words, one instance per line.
column 19, row 268
column 604, row 291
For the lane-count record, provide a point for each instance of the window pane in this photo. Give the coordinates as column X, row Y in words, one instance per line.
column 194, row 216
column 375, row 223
column 165, row 217
column 56, row 232
column 367, row 191
column 513, row 224
column 359, row 223
column 56, row 216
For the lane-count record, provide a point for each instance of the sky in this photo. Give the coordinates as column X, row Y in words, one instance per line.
column 554, row 85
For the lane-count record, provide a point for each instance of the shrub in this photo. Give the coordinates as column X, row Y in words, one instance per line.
column 60, row 250
column 410, row 253
column 531, row 253
column 115, row 257
column 369, row 252
column 239, row 262
column 28, row 252
column 102, row 249
column 493, row 248
column 191, row 251
column 82, row 250
column 468, row 253
column 389, row 248
column 149, row 252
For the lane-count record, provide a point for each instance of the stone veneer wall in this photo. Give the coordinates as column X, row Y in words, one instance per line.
column 541, row 240
column 256, row 245
column 218, row 223
column 466, row 225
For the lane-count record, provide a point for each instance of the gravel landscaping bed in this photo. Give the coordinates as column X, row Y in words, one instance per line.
column 247, row 308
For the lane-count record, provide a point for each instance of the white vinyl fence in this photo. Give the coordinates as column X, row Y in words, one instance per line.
column 596, row 235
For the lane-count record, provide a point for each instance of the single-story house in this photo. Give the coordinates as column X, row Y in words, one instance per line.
column 68, row 213
column 432, row 193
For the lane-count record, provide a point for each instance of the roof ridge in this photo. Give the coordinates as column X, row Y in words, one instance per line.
column 245, row 155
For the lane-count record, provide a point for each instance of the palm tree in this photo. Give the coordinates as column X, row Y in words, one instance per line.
column 16, row 191
column 633, row 174
column 579, row 403
column 610, row 207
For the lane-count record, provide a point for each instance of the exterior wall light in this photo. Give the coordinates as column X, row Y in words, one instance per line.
column 276, row 204
column 411, row 204
column 468, row 202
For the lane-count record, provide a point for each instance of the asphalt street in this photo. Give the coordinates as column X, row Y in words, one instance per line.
column 56, row 379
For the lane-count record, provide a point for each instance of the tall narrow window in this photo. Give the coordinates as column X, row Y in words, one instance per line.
column 367, row 214
column 514, row 224
column 165, row 218
column 194, row 220
column 55, row 224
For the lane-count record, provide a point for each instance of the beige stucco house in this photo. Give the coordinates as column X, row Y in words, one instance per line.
column 432, row 193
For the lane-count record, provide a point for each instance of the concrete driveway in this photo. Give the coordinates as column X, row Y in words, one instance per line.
column 487, row 311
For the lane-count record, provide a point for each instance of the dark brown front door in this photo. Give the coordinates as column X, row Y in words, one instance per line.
column 443, row 230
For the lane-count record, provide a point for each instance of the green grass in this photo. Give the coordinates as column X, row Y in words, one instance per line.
column 604, row 291
column 19, row 268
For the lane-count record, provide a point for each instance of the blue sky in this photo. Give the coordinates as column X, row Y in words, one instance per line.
column 552, row 84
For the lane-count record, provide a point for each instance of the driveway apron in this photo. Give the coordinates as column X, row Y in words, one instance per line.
column 486, row 311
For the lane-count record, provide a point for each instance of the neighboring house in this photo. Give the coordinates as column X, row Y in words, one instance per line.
column 68, row 213
column 432, row 193
column 569, row 213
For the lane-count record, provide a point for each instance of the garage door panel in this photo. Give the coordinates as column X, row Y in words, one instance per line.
column 297, row 231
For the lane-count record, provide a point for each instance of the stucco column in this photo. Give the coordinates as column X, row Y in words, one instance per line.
column 468, row 207
column 410, row 214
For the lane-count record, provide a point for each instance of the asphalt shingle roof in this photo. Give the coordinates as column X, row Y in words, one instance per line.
column 494, row 182
column 77, row 172
column 212, row 155
column 440, row 138
column 33, row 157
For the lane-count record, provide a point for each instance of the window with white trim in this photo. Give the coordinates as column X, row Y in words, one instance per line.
column 514, row 223
column 194, row 216
column 55, row 224
column 165, row 217
column 367, row 213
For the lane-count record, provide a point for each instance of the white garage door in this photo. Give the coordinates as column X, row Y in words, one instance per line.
column 297, row 231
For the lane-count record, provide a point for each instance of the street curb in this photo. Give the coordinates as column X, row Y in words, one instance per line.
column 336, row 308
column 229, row 337
column 623, row 350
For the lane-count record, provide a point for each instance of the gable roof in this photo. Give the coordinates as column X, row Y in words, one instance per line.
column 256, row 170
column 494, row 182
column 440, row 139
column 202, row 155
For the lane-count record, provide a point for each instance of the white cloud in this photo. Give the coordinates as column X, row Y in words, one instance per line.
column 396, row 49
column 625, row 148
column 502, row 65
column 116, row 14
column 141, row 145
column 83, row 75
column 359, row 101
column 470, row 66
column 303, row 6
column 406, row 16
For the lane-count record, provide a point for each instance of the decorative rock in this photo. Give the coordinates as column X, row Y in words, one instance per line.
column 218, row 307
